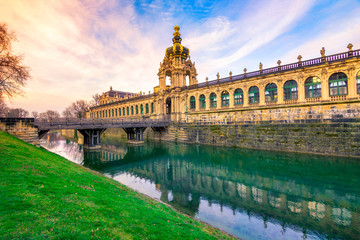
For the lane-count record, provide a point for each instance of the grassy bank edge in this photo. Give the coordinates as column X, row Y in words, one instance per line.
column 43, row 195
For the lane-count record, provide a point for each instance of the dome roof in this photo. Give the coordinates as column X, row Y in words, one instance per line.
column 177, row 50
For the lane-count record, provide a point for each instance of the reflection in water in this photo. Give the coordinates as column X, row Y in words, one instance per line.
column 250, row 194
column 66, row 148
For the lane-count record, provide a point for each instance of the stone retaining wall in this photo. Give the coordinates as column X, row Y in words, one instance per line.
column 340, row 138
column 326, row 128
column 22, row 129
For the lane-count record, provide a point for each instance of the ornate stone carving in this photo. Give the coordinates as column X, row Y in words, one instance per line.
column 177, row 65
column 323, row 72
column 322, row 52
column 350, row 70
column 300, row 76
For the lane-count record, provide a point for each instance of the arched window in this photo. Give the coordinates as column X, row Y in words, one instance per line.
column 312, row 87
column 137, row 109
column 225, row 98
column 132, row 110
column 147, row 108
column 97, row 114
column 238, row 96
column 152, row 107
column 119, row 112
column 290, row 90
column 213, row 100
column 115, row 112
column 338, row 84
column 202, row 101
column 141, row 109
column 192, row 102
column 127, row 111
column 358, row 82
column 271, row 93
column 123, row 111
column 106, row 113
column 254, row 94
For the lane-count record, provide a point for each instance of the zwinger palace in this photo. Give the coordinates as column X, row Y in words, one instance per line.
column 324, row 81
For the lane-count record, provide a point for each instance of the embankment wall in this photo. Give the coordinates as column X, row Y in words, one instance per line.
column 23, row 129
column 323, row 129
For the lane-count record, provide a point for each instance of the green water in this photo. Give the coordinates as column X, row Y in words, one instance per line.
column 251, row 194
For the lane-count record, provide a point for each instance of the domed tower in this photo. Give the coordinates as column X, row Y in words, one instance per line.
column 177, row 65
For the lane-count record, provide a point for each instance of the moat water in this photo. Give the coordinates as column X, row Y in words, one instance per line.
column 250, row 194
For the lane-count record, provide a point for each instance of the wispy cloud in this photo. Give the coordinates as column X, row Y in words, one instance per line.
column 234, row 39
column 78, row 48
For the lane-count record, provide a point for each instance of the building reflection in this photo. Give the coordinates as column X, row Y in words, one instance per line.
column 320, row 195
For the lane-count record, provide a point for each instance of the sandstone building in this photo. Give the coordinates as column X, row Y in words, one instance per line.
column 317, row 82
column 321, row 89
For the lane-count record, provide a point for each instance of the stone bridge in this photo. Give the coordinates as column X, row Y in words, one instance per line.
column 91, row 129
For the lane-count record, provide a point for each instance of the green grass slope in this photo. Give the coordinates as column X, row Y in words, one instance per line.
column 43, row 195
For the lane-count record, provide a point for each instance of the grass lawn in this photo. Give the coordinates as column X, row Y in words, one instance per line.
column 43, row 195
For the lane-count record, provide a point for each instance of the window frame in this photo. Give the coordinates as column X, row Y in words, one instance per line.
column 338, row 87
column 238, row 96
column 311, row 88
column 225, row 98
column 255, row 98
column 202, row 101
column 213, row 100
column 358, row 82
column 272, row 95
column 288, row 90
column 192, row 103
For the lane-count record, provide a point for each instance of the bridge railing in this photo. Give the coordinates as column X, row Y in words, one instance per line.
column 100, row 122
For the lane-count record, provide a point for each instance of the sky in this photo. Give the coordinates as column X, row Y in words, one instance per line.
column 77, row 48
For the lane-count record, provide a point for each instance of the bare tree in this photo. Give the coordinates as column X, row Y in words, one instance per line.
column 95, row 100
column 3, row 109
column 68, row 113
column 17, row 113
column 13, row 74
column 76, row 109
column 79, row 108
column 35, row 114
column 49, row 114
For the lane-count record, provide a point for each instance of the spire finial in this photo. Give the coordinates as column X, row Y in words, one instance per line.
column 176, row 28
column 177, row 34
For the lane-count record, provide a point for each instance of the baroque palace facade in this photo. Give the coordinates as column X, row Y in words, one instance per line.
column 321, row 88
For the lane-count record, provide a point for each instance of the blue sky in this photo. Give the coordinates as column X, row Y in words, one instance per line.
column 78, row 48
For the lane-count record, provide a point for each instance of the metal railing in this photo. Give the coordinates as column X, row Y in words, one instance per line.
column 84, row 122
